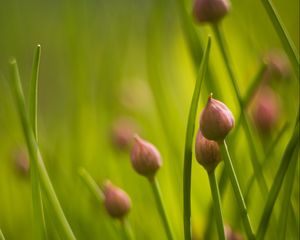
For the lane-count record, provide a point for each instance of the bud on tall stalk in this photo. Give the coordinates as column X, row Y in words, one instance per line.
column 116, row 201
column 207, row 152
column 210, row 11
column 216, row 120
column 145, row 158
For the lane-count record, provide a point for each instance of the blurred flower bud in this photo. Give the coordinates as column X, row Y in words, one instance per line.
column 266, row 110
column 207, row 152
column 232, row 235
column 116, row 201
column 216, row 120
column 122, row 133
column 21, row 162
column 278, row 66
column 145, row 158
column 210, row 10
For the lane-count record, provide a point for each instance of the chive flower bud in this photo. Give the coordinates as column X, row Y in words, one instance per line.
column 116, row 201
column 216, row 120
column 210, row 11
column 266, row 110
column 207, row 152
column 145, row 158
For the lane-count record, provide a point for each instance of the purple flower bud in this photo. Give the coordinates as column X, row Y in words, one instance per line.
column 116, row 201
column 145, row 158
column 266, row 110
column 210, row 10
column 216, row 120
column 207, row 152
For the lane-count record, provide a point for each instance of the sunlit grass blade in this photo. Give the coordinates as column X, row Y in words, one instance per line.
column 37, row 201
column 217, row 204
column 237, row 191
column 254, row 155
column 189, row 142
column 286, row 207
column 277, row 183
column 1, row 235
column 287, row 43
column 35, row 155
column 91, row 184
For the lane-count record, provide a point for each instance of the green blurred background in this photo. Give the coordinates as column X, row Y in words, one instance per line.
column 104, row 61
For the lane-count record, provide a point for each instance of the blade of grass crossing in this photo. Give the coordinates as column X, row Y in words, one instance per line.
column 35, row 155
column 188, row 144
column 286, row 203
column 37, row 201
column 254, row 155
column 277, row 183
column 287, row 43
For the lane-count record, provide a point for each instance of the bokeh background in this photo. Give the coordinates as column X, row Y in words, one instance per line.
column 112, row 65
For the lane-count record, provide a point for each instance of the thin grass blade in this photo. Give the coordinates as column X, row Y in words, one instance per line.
column 189, row 142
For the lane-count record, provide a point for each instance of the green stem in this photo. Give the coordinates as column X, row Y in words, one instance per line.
column 161, row 208
column 1, row 235
column 237, row 191
column 34, row 153
column 37, row 201
column 286, row 202
column 91, row 184
column 277, row 183
column 217, row 204
column 254, row 156
column 189, row 142
column 286, row 41
column 127, row 231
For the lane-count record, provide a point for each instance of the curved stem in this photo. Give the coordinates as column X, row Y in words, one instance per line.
column 37, row 200
column 237, row 191
column 217, row 204
column 161, row 208
column 287, row 43
column 35, row 155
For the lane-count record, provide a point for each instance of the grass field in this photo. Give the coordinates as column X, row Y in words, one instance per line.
column 111, row 69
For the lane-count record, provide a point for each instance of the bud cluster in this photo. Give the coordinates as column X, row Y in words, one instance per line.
column 215, row 123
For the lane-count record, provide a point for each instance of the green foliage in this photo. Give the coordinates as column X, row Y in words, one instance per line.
column 106, row 61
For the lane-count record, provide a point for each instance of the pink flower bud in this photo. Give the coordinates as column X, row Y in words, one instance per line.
column 21, row 162
column 266, row 110
column 230, row 234
column 116, row 201
column 210, row 10
column 145, row 158
column 207, row 152
column 216, row 120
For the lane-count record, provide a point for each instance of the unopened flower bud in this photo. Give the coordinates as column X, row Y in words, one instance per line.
column 145, row 158
column 210, row 10
column 21, row 162
column 230, row 234
column 116, row 201
column 216, row 120
column 266, row 110
column 207, row 152
column 122, row 133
